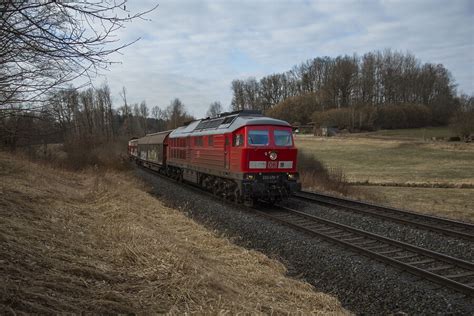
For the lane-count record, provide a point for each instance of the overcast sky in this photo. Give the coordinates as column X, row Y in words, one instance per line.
column 192, row 50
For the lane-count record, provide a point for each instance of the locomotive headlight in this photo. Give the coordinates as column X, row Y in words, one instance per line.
column 292, row 176
column 273, row 155
column 249, row 176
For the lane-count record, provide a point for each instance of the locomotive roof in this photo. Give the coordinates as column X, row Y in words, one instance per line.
column 225, row 124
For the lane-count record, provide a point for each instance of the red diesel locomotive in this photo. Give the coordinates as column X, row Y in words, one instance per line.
column 243, row 156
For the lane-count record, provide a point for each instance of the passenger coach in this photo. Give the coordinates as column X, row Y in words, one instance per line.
column 242, row 156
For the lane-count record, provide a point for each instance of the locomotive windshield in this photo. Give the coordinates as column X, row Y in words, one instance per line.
column 258, row 138
column 283, row 138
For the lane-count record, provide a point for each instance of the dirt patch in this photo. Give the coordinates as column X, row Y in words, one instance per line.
column 98, row 242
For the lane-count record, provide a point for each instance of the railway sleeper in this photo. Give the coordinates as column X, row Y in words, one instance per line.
column 399, row 258
column 422, row 262
column 390, row 251
column 460, row 275
column 344, row 235
column 367, row 242
column 378, row 247
column 352, row 239
column 439, row 268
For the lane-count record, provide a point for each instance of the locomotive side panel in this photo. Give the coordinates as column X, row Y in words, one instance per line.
column 206, row 152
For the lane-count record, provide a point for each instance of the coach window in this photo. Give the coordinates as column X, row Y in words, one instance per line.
column 210, row 140
column 283, row 138
column 258, row 138
column 238, row 140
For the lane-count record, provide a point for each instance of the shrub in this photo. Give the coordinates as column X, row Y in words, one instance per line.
column 84, row 153
column 340, row 118
column 462, row 123
column 403, row 116
column 314, row 174
column 296, row 109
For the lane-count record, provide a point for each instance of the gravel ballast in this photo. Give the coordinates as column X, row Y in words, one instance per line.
column 364, row 286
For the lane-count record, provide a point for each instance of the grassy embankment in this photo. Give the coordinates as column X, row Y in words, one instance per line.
column 431, row 177
column 98, row 242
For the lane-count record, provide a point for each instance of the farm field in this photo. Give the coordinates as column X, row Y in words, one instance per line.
column 409, row 133
column 405, row 168
column 97, row 242
column 394, row 161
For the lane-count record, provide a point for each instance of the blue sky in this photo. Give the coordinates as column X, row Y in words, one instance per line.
column 192, row 50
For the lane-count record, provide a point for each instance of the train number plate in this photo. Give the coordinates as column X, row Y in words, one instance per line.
column 270, row 177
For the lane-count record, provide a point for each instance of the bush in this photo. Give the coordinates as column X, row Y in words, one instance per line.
column 313, row 173
column 360, row 118
column 369, row 118
column 391, row 117
column 403, row 116
column 462, row 123
column 296, row 109
column 340, row 118
column 84, row 153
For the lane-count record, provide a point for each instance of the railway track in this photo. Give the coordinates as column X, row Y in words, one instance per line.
column 436, row 224
column 439, row 268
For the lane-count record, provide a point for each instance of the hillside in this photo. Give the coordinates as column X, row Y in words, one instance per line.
column 98, row 242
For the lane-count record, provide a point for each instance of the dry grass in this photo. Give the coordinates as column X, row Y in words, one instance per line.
column 425, row 133
column 97, row 242
column 451, row 203
column 394, row 161
column 78, row 155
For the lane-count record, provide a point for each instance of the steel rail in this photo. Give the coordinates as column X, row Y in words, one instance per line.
column 437, row 224
column 365, row 243
column 436, row 267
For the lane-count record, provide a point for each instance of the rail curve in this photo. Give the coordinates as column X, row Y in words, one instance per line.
column 436, row 224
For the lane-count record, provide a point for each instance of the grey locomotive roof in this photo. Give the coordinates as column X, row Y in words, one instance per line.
column 224, row 125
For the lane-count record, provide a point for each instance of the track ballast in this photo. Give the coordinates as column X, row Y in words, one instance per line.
column 442, row 269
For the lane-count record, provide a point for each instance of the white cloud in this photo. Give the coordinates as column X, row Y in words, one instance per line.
column 193, row 49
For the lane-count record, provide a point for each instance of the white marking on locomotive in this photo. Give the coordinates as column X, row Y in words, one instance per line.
column 257, row 164
column 272, row 164
column 285, row 164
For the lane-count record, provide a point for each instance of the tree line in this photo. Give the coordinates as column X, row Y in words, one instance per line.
column 357, row 86
column 88, row 117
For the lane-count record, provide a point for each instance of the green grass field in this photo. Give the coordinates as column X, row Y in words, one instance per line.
column 392, row 161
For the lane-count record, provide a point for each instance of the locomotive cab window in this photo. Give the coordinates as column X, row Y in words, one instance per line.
column 238, row 140
column 258, row 138
column 283, row 138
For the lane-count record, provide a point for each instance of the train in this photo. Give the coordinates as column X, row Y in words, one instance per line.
column 242, row 156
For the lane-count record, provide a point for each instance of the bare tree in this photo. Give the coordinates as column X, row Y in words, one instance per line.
column 238, row 98
column 45, row 44
column 144, row 113
column 176, row 114
column 156, row 112
column 215, row 108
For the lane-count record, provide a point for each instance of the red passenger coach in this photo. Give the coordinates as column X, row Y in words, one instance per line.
column 242, row 156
